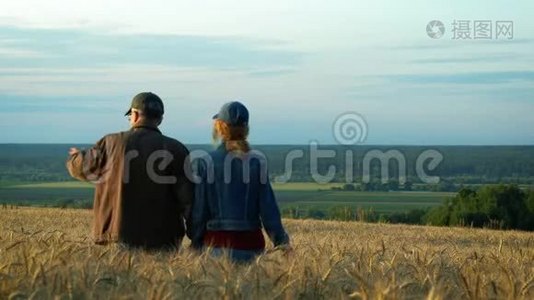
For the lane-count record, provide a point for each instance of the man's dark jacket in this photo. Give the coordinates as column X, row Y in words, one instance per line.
column 142, row 193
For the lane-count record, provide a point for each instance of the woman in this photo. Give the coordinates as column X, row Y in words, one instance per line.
column 234, row 198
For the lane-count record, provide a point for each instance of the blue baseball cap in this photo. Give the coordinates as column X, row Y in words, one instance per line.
column 233, row 113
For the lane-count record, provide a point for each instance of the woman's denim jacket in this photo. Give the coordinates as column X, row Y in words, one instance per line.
column 233, row 193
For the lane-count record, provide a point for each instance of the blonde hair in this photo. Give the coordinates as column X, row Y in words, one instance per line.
column 234, row 137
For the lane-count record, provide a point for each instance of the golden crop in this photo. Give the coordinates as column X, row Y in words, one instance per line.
column 46, row 253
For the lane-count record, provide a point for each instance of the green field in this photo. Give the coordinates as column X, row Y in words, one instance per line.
column 50, row 185
column 321, row 197
column 68, row 193
column 291, row 195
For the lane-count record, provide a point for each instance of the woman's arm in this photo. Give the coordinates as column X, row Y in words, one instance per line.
column 270, row 216
column 199, row 209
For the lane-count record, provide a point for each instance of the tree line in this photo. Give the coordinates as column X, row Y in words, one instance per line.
column 460, row 165
column 493, row 206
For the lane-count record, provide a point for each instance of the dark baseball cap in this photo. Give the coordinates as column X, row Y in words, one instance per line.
column 149, row 103
column 233, row 113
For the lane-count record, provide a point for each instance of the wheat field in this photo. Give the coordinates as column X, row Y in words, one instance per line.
column 46, row 253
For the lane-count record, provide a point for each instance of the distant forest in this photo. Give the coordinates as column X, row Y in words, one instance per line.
column 460, row 165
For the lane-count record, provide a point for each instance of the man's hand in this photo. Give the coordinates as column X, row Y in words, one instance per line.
column 73, row 151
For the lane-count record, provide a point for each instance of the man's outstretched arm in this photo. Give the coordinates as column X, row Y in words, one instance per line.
column 86, row 165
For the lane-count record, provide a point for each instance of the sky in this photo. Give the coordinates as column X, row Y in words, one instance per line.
column 69, row 69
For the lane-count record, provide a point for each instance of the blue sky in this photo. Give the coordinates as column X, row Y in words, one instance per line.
column 68, row 70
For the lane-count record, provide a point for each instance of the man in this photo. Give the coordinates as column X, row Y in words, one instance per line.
column 142, row 192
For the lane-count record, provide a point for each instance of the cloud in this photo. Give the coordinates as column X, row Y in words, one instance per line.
column 431, row 44
column 16, row 53
column 271, row 72
column 77, row 48
column 499, row 77
column 474, row 58
column 59, row 62
column 57, row 104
